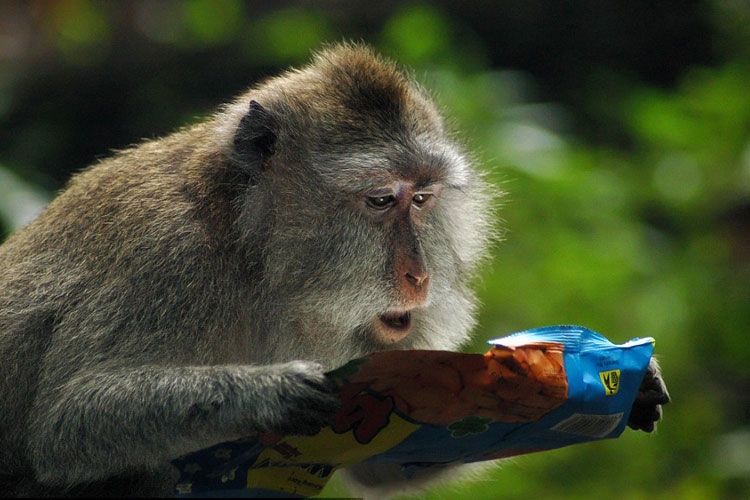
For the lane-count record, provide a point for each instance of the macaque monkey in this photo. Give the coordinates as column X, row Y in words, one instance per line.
column 194, row 289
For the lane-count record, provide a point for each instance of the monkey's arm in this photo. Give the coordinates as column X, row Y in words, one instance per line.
column 100, row 424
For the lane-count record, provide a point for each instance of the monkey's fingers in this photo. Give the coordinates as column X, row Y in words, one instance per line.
column 644, row 417
column 306, row 401
column 652, row 397
column 652, row 394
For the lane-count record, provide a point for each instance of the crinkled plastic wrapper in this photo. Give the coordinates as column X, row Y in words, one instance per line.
column 532, row 391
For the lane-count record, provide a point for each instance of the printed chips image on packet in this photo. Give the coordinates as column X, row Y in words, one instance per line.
column 532, row 391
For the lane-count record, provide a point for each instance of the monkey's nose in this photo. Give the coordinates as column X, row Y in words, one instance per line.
column 418, row 279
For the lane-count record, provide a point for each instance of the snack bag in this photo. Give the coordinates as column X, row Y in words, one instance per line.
column 532, row 391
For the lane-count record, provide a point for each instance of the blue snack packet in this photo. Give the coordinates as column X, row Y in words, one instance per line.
column 535, row 390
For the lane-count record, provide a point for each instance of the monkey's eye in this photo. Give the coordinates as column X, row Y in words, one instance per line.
column 381, row 202
column 420, row 199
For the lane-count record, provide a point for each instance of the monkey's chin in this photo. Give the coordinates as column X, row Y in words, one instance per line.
column 392, row 327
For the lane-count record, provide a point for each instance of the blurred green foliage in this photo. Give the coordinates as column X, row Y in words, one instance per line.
column 634, row 223
column 82, row 30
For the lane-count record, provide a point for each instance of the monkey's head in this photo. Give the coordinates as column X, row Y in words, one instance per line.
column 371, row 220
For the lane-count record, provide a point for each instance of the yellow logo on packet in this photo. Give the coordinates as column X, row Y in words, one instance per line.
column 611, row 381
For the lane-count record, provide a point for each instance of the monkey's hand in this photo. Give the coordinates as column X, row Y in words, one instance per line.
column 652, row 394
column 300, row 399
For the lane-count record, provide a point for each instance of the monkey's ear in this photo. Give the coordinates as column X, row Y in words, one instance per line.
column 255, row 139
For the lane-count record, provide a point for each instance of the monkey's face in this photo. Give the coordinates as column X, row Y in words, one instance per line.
column 376, row 251
column 402, row 209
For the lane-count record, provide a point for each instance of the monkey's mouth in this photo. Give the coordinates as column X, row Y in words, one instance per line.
column 398, row 321
column 391, row 327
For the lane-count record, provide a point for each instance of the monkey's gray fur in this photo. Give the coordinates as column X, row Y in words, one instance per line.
column 194, row 289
